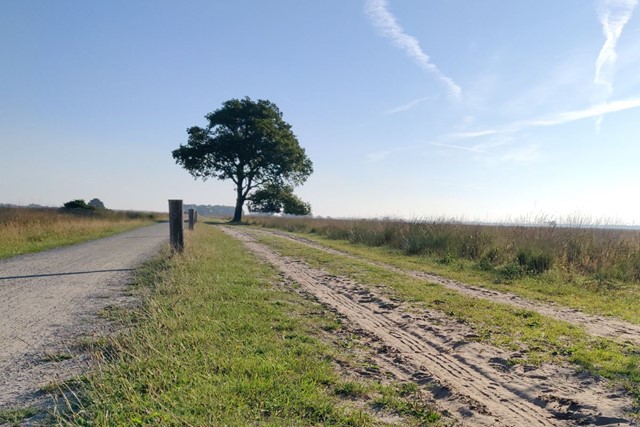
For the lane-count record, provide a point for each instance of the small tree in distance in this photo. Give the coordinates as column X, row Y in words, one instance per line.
column 78, row 204
column 96, row 203
column 273, row 199
column 249, row 143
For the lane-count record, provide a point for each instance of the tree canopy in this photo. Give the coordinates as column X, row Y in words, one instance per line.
column 274, row 199
column 249, row 143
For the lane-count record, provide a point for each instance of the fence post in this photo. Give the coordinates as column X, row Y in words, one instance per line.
column 192, row 218
column 176, row 226
column 196, row 216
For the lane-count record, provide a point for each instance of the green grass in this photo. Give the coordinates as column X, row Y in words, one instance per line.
column 26, row 230
column 539, row 338
column 14, row 416
column 216, row 343
column 591, row 295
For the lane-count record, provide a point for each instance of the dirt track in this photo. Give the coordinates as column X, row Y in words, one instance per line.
column 49, row 299
column 599, row 326
column 472, row 381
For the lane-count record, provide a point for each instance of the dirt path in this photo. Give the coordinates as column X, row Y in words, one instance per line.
column 600, row 326
column 470, row 380
column 49, row 299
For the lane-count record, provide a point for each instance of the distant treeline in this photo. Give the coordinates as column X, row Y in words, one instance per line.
column 215, row 210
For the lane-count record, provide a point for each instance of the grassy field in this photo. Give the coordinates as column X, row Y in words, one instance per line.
column 25, row 230
column 219, row 340
column 601, row 282
column 536, row 338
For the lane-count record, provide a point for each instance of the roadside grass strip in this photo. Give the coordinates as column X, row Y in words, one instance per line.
column 25, row 231
column 593, row 295
column 217, row 341
column 535, row 338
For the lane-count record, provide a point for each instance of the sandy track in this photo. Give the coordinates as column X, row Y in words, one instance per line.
column 599, row 326
column 470, row 380
column 49, row 299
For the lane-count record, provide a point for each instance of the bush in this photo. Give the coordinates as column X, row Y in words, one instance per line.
column 78, row 204
column 534, row 263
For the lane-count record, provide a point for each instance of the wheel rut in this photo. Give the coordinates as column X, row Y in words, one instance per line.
column 599, row 326
column 470, row 380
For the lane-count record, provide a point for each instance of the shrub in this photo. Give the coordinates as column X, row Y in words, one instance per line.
column 534, row 263
column 78, row 204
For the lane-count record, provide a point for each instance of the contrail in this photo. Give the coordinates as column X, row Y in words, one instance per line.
column 378, row 12
column 613, row 15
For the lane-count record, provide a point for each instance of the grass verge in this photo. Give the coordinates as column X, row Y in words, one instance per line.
column 26, row 230
column 596, row 270
column 216, row 343
column 534, row 337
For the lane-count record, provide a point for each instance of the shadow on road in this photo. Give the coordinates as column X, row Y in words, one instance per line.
column 66, row 274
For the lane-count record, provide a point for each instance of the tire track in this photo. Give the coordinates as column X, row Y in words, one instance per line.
column 473, row 380
column 599, row 326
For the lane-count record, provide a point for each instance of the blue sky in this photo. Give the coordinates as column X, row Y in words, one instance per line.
column 487, row 110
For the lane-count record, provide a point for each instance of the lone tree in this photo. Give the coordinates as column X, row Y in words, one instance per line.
column 96, row 203
column 274, row 199
column 249, row 143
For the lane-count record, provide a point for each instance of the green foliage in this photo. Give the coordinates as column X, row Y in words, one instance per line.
column 579, row 251
column 534, row 262
column 275, row 199
column 78, row 204
column 248, row 143
column 542, row 339
column 15, row 416
column 96, row 203
column 217, row 344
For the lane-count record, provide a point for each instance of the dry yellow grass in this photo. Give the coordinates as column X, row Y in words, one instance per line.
column 24, row 230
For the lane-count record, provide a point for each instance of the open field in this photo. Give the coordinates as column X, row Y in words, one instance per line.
column 314, row 336
column 224, row 340
column 601, row 281
column 26, row 230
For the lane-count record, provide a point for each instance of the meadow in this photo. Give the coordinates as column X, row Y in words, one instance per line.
column 24, row 230
column 593, row 269
column 510, row 251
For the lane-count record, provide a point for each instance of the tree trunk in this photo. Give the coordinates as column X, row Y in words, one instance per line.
column 237, row 215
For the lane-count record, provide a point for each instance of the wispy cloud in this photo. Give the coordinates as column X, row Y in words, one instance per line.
column 383, row 19
column 377, row 156
column 561, row 118
column 499, row 150
column 474, row 134
column 613, row 15
column 407, row 106
column 459, row 147
column 593, row 111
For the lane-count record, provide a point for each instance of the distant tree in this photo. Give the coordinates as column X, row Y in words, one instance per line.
column 249, row 143
column 78, row 204
column 96, row 203
column 276, row 199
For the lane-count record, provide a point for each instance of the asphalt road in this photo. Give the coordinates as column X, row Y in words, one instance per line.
column 50, row 299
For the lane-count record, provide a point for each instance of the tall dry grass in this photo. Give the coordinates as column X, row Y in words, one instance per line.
column 25, row 230
column 510, row 250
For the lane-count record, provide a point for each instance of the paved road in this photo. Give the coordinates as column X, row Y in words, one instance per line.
column 50, row 299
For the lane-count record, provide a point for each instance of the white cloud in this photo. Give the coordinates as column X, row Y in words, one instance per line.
column 561, row 118
column 613, row 15
column 407, row 106
column 593, row 111
column 474, row 134
column 378, row 12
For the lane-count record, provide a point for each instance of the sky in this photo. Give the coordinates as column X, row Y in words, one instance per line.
column 491, row 110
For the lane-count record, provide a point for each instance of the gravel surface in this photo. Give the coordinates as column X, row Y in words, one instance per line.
column 50, row 299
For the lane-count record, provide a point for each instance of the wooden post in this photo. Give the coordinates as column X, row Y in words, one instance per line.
column 192, row 218
column 176, row 227
column 196, row 216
